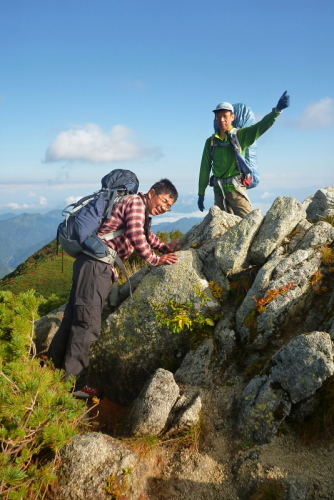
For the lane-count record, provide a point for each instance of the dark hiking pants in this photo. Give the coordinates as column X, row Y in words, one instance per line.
column 81, row 324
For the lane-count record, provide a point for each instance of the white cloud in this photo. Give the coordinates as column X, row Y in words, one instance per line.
column 72, row 199
column 267, row 194
column 188, row 201
column 42, row 201
column 317, row 114
column 89, row 143
column 17, row 206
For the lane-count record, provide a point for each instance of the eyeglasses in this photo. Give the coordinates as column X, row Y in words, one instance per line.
column 165, row 203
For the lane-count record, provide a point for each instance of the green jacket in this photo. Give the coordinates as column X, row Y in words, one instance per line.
column 224, row 164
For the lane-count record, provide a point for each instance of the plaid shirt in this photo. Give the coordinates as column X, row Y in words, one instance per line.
column 131, row 214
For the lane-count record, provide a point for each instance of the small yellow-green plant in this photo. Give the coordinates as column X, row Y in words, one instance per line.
column 327, row 256
column 199, row 320
column 216, row 290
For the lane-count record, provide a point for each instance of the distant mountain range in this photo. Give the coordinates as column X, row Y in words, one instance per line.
column 183, row 225
column 23, row 235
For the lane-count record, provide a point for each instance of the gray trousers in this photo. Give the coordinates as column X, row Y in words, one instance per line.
column 237, row 203
column 81, row 324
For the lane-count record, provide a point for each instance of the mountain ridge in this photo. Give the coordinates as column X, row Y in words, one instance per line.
column 24, row 234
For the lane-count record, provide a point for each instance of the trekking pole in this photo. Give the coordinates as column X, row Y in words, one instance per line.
column 222, row 190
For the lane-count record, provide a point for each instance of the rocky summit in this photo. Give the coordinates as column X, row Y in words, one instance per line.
column 224, row 362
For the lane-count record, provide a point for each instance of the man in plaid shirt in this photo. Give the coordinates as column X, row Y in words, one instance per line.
column 81, row 324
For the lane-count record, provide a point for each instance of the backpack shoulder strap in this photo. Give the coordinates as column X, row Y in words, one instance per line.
column 233, row 138
column 148, row 219
column 212, row 147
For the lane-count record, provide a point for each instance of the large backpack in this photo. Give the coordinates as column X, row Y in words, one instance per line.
column 78, row 232
column 248, row 166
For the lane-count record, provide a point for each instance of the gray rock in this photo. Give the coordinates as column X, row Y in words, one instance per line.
column 262, row 411
column 280, row 220
column 212, row 272
column 295, row 373
column 151, row 409
column 290, row 276
column 185, row 414
column 133, row 343
column 214, row 224
column 320, row 205
column 90, row 460
column 46, row 327
column 319, row 235
column 288, row 303
column 247, row 307
column 303, row 365
column 135, row 279
column 232, row 247
column 226, row 340
column 299, row 488
column 298, row 234
column 194, row 369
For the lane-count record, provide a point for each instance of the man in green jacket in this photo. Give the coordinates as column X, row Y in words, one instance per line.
column 229, row 186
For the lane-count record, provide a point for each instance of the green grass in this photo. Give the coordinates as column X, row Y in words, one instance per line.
column 49, row 274
column 46, row 272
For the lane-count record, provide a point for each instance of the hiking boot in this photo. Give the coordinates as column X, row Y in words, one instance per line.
column 87, row 393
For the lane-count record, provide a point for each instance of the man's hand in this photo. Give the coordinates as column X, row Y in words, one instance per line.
column 200, row 202
column 167, row 258
column 284, row 102
column 174, row 246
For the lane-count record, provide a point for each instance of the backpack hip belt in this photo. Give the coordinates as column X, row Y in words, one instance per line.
column 112, row 258
column 236, row 182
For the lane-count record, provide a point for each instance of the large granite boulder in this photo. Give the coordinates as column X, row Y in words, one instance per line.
column 162, row 409
column 287, row 276
column 280, row 220
column 320, row 205
column 133, row 343
column 232, row 247
column 95, row 463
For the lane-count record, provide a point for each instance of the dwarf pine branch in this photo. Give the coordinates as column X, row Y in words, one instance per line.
column 38, row 414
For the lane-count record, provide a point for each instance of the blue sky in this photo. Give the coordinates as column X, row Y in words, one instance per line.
column 88, row 86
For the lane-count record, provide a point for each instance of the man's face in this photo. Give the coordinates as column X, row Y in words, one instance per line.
column 224, row 119
column 159, row 203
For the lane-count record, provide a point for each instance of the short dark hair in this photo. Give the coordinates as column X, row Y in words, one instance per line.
column 165, row 186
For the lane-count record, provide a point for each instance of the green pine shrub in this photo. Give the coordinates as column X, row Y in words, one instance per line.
column 38, row 415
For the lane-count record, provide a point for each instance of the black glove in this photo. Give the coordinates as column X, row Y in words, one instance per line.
column 284, row 101
column 200, row 202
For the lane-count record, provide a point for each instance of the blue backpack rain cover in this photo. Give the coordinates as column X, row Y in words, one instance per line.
column 78, row 231
column 244, row 117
